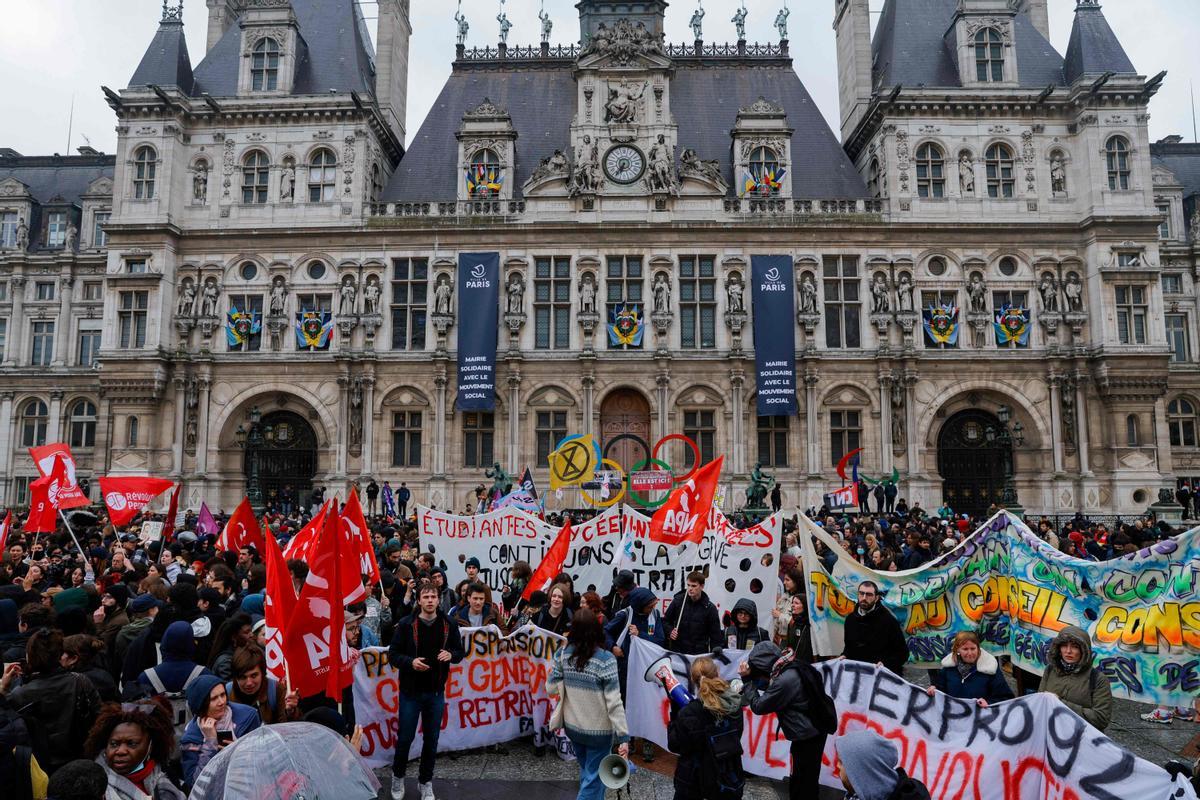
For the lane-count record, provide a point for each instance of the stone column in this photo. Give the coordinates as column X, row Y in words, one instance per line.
column 737, row 379
column 885, row 424
column 368, row 451
column 177, row 443
column 6, row 443
column 54, row 431
column 342, row 454
column 811, row 434
column 1055, row 382
column 1162, row 438
column 589, row 402
column 914, row 436
column 439, row 424
column 13, row 350
column 1081, row 424
column 514, row 421
column 207, row 437
column 62, row 327
column 663, row 397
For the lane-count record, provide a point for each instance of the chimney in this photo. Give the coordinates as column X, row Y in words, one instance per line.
column 1039, row 16
column 391, row 63
column 221, row 16
column 852, row 24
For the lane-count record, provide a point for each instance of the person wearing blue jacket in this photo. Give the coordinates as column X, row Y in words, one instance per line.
column 216, row 723
column 177, row 669
column 971, row 673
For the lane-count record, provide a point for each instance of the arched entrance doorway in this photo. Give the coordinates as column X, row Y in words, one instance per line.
column 971, row 462
column 289, row 456
column 625, row 412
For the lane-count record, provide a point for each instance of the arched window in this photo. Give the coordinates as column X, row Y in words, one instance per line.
column 764, row 168
column 773, row 441
column 1181, row 418
column 931, row 171
column 35, row 418
column 145, row 166
column 322, row 177
column 256, row 177
column 1131, row 431
column 873, row 185
column 83, row 424
column 1117, row 152
column 989, row 56
column 1000, row 181
column 483, row 174
column 264, row 66
column 131, row 432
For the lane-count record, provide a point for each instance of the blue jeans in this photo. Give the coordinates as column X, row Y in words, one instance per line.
column 427, row 707
column 589, row 758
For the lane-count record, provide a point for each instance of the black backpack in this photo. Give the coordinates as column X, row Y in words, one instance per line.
column 821, row 710
column 721, row 773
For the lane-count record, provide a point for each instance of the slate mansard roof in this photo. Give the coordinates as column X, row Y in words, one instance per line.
column 705, row 100
column 57, row 179
column 334, row 53
column 1183, row 160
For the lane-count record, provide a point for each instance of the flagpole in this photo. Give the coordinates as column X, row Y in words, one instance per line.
column 87, row 569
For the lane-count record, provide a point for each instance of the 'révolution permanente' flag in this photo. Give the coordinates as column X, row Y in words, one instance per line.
column 478, row 327
column 774, row 292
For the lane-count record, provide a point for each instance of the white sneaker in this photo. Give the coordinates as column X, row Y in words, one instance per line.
column 426, row 790
column 398, row 787
column 1159, row 715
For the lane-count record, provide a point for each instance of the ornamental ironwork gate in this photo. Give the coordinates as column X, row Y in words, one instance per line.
column 289, row 456
column 971, row 462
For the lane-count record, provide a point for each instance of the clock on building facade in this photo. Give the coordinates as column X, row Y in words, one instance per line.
column 624, row 164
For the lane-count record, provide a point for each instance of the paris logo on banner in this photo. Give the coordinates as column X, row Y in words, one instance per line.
column 774, row 294
column 478, row 327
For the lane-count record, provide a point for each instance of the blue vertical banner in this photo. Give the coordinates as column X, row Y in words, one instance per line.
column 774, row 293
column 478, row 327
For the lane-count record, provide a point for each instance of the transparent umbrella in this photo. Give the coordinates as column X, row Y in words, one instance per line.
column 291, row 761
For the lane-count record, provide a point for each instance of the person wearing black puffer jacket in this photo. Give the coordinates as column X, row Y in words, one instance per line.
column 693, row 625
column 742, row 632
column 701, row 772
column 873, row 635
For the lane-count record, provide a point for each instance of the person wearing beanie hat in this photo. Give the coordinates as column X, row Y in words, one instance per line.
column 618, row 599
column 867, row 763
column 472, row 568
column 216, row 723
column 253, row 604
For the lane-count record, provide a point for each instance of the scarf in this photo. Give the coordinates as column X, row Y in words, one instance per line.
column 138, row 777
column 1065, row 668
column 964, row 669
column 783, row 662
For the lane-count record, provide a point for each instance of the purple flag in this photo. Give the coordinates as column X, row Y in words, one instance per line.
column 206, row 524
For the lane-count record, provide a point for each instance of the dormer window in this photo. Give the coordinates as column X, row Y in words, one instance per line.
column 764, row 171
column 256, row 177
column 145, row 166
column 989, row 56
column 264, row 66
column 484, row 175
column 56, row 229
column 1117, row 154
column 322, row 177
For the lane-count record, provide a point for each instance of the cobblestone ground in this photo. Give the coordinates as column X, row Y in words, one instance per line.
column 519, row 774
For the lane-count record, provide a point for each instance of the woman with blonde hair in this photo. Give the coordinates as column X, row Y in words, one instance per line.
column 970, row 673
column 706, row 734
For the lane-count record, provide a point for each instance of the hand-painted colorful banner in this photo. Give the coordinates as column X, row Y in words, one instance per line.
column 774, row 293
column 501, row 538
column 478, row 327
column 497, row 694
column 1032, row 747
column 740, row 561
column 1017, row 592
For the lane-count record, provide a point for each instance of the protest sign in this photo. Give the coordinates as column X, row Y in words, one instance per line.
column 1030, row 747
column 496, row 694
column 740, row 561
column 1017, row 592
column 501, row 538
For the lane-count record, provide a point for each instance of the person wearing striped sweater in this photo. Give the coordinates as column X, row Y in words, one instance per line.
column 585, row 681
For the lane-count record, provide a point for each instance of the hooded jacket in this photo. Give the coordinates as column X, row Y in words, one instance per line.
column 195, row 750
column 177, row 665
column 984, row 680
column 784, row 696
column 698, row 623
column 744, row 638
column 870, row 764
column 650, row 626
column 687, row 737
column 1084, row 690
column 876, row 636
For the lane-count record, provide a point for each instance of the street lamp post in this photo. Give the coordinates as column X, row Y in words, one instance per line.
column 252, row 440
column 1007, row 436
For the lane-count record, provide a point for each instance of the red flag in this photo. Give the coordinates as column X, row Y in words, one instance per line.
column 302, row 542
column 46, row 458
column 43, row 517
column 278, row 606
column 315, row 643
column 5, row 529
column 172, row 514
column 354, row 527
column 685, row 515
column 242, row 529
column 124, row 497
column 552, row 563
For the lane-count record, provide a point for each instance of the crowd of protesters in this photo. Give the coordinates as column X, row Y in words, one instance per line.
column 147, row 659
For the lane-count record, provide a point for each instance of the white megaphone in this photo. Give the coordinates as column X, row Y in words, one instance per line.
column 614, row 772
column 660, row 672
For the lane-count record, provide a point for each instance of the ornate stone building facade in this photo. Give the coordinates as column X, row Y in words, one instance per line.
column 278, row 247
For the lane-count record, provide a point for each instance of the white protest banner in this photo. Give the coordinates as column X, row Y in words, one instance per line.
column 741, row 561
column 496, row 694
column 1032, row 747
column 501, row 538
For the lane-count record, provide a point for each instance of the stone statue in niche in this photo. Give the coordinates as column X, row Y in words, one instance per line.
column 904, row 293
column 897, row 413
column 966, row 176
column 977, row 293
column 278, row 296
column 662, row 294
column 880, row 302
column 662, row 167
column 371, row 294
column 287, row 182
column 187, row 298
column 623, row 102
column 1048, row 289
column 71, row 237
column 349, row 294
column 808, row 295
column 1073, row 289
column 1058, row 175
column 515, row 303
column 587, row 295
column 22, row 234
column 356, row 413
column 442, row 296
column 189, row 435
column 586, row 177
column 733, row 293
column 209, row 298
column 200, row 183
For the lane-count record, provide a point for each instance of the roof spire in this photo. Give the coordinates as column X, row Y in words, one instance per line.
column 172, row 13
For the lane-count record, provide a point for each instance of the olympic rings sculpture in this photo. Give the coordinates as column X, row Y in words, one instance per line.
column 651, row 460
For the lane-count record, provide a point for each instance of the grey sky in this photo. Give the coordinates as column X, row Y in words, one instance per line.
column 53, row 50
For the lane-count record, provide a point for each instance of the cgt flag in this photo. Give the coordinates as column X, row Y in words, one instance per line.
column 279, row 603
column 359, row 557
column 69, row 495
column 845, row 497
column 242, row 529
column 684, row 517
column 125, row 496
